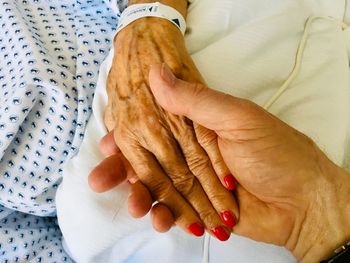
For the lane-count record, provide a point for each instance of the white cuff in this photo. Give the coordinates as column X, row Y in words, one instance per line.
column 157, row 9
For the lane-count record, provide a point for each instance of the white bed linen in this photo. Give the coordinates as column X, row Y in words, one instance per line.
column 245, row 48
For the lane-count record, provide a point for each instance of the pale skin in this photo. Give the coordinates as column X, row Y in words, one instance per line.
column 289, row 193
column 178, row 160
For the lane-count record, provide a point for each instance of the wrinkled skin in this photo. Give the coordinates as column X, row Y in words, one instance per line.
column 170, row 155
column 289, row 193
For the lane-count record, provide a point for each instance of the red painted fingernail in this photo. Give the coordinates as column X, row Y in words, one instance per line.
column 196, row 229
column 220, row 233
column 229, row 219
column 230, row 182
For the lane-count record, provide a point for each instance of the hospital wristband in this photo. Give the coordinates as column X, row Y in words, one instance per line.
column 137, row 11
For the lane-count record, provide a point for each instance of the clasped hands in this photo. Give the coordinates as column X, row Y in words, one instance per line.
column 178, row 161
column 179, row 142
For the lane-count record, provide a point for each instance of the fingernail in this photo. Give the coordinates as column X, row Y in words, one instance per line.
column 167, row 75
column 230, row 182
column 196, row 229
column 229, row 219
column 220, row 233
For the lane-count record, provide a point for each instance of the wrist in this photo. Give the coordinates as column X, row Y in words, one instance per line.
column 152, row 27
column 179, row 5
column 326, row 222
column 149, row 16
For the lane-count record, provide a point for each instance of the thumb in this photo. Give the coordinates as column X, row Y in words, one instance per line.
column 212, row 109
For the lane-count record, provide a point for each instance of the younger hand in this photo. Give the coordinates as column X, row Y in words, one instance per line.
column 289, row 193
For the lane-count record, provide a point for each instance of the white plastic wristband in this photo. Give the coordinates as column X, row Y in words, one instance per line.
column 157, row 9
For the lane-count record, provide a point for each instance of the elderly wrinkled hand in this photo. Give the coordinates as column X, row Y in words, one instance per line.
column 178, row 161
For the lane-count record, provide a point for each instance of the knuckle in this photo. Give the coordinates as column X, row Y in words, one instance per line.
column 197, row 159
column 185, row 184
column 188, row 142
column 199, row 164
column 206, row 138
column 207, row 141
column 209, row 217
column 163, row 149
column 161, row 190
column 219, row 196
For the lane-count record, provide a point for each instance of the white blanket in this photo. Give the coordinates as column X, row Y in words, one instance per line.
column 246, row 48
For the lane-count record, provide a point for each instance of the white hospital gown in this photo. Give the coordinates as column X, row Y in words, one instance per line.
column 50, row 52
